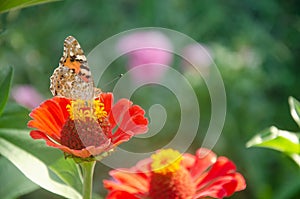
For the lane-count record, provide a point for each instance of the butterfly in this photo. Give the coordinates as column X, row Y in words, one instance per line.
column 72, row 78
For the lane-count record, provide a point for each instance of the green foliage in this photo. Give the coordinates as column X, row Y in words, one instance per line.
column 6, row 75
column 295, row 109
column 17, row 184
column 16, row 113
column 43, row 165
column 283, row 141
column 6, row 5
column 280, row 140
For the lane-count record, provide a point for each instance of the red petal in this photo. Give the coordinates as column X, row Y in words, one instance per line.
column 222, row 187
column 133, row 182
column 107, row 99
column 136, row 110
column 240, row 180
column 188, row 161
column 133, row 124
column 62, row 102
column 38, row 135
column 118, row 111
column 220, row 181
column 120, row 195
column 130, row 120
column 140, row 173
column 49, row 117
column 222, row 167
column 204, row 159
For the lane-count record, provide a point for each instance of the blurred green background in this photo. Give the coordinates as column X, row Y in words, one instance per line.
column 255, row 44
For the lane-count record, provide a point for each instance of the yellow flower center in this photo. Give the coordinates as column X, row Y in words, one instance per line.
column 169, row 179
column 83, row 110
column 166, row 161
column 87, row 125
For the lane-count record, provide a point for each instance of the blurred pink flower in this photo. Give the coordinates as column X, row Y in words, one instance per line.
column 146, row 51
column 196, row 56
column 27, row 96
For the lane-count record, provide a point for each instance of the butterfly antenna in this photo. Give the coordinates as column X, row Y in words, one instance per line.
column 113, row 80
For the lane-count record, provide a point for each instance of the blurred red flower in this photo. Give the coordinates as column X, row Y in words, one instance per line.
column 86, row 128
column 170, row 175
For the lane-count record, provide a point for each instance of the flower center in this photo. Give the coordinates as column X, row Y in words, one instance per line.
column 169, row 179
column 84, row 126
column 83, row 110
column 166, row 161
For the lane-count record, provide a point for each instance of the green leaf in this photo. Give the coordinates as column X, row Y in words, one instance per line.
column 43, row 165
column 16, row 184
column 6, row 75
column 6, row 5
column 289, row 188
column 96, row 196
column 68, row 171
column 280, row 140
column 14, row 116
column 295, row 109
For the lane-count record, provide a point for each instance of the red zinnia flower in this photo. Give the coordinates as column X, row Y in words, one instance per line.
column 170, row 175
column 87, row 128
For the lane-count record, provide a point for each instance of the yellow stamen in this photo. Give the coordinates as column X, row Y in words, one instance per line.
column 166, row 161
column 83, row 110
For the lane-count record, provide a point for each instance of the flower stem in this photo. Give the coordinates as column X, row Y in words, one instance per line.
column 88, row 172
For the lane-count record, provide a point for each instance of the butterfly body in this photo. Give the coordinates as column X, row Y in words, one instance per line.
column 72, row 78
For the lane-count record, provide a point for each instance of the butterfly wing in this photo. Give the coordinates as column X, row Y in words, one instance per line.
column 72, row 78
column 74, row 58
